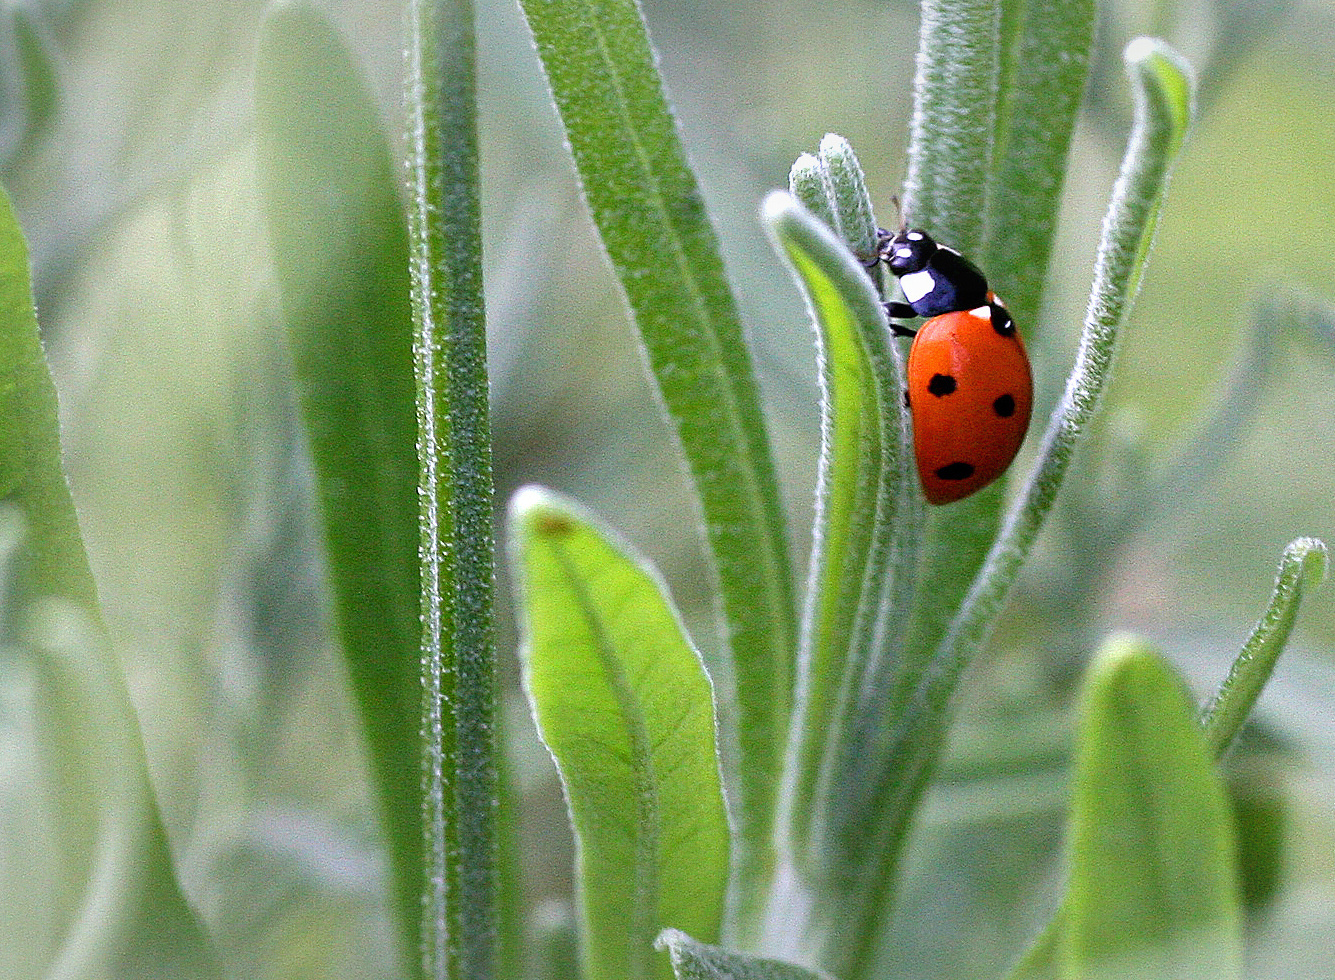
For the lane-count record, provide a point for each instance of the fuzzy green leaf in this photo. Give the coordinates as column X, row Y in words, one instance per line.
column 340, row 247
column 122, row 908
column 456, row 494
column 994, row 114
column 1045, row 54
column 624, row 705
column 1301, row 569
column 693, row 960
column 1162, row 86
column 954, row 119
column 647, row 206
column 862, row 571
column 1154, row 888
column 807, row 181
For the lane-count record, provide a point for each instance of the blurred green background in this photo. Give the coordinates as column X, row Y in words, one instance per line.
column 125, row 140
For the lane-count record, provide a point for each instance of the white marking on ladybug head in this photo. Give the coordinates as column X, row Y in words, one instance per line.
column 982, row 313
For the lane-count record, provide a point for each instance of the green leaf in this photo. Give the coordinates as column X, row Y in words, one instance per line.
column 340, row 247
column 131, row 918
column 1162, row 88
column 122, row 908
column 624, row 705
column 37, row 82
column 693, row 960
column 1154, row 888
column 456, row 494
column 863, row 572
column 953, row 128
column 31, row 475
column 1301, row 569
column 647, row 206
column 997, row 93
column 1045, row 56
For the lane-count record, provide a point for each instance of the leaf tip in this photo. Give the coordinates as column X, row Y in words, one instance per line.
column 776, row 206
column 1315, row 559
column 537, row 511
column 1156, row 66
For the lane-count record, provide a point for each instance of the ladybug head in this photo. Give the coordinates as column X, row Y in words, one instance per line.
column 909, row 251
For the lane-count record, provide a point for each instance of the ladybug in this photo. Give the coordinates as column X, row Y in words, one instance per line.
column 969, row 386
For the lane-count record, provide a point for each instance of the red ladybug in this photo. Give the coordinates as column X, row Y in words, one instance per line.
column 969, row 386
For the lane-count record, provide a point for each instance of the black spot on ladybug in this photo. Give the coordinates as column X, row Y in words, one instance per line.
column 954, row 471
column 1004, row 406
column 941, row 384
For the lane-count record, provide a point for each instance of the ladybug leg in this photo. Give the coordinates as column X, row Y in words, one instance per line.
column 896, row 310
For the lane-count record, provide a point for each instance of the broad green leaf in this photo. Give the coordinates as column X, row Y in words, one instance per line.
column 340, row 246
column 1154, row 888
column 31, row 475
column 624, row 705
column 456, row 496
column 646, row 204
column 121, row 907
column 693, row 960
column 1301, row 569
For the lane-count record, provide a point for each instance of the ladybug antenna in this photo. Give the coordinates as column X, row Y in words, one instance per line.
column 903, row 221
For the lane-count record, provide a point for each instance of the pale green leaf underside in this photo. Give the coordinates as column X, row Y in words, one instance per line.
column 623, row 703
column 863, row 566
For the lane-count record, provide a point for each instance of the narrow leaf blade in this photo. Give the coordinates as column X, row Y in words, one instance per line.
column 623, row 703
column 340, row 248
column 863, row 574
column 456, row 494
column 647, row 206
column 862, row 462
column 1045, row 59
column 1302, row 568
column 1154, row 888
